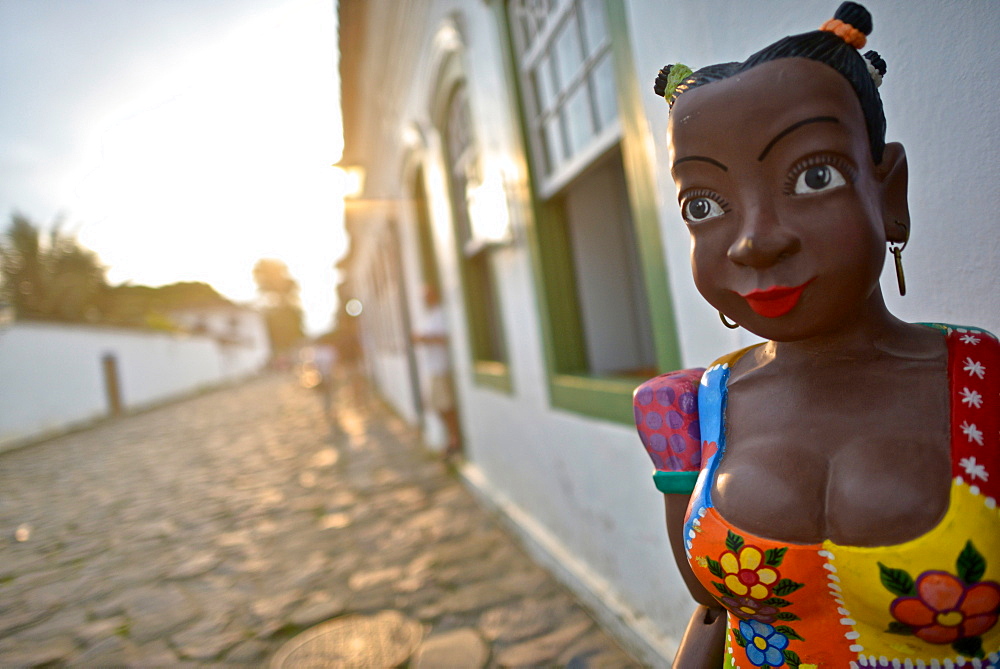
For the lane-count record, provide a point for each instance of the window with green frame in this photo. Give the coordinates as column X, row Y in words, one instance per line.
column 425, row 235
column 595, row 237
column 482, row 307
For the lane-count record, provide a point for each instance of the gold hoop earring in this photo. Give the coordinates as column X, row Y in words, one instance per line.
column 727, row 323
column 897, row 254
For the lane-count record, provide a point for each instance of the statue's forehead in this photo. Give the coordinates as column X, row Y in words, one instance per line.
column 761, row 98
column 758, row 94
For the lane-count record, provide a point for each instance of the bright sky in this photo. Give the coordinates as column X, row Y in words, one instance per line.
column 182, row 140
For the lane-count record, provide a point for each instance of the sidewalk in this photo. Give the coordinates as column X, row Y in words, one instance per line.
column 216, row 530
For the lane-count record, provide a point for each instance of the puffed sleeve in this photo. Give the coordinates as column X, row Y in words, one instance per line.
column 666, row 416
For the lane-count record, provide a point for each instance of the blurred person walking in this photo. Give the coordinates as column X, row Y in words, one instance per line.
column 433, row 335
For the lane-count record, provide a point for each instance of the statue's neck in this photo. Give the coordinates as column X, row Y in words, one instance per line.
column 871, row 332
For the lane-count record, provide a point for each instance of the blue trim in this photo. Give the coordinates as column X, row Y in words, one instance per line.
column 712, row 396
column 675, row 482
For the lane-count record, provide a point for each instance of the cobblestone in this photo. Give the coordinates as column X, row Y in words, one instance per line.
column 214, row 530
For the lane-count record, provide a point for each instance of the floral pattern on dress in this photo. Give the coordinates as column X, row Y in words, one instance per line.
column 753, row 591
column 765, row 645
column 750, row 609
column 943, row 608
column 745, row 573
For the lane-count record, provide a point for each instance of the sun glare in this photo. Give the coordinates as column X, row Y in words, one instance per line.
column 227, row 160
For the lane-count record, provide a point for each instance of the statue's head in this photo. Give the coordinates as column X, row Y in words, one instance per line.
column 785, row 180
column 837, row 44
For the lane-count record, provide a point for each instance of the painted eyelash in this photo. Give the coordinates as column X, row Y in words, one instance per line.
column 844, row 166
column 702, row 192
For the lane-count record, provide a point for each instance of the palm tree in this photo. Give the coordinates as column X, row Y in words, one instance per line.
column 49, row 276
column 279, row 294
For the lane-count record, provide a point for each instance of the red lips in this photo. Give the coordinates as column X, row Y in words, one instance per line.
column 776, row 301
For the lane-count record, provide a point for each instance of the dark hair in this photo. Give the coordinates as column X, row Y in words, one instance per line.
column 819, row 45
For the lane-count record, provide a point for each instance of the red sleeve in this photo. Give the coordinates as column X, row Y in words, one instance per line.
column 974, row 376
column 666, row 415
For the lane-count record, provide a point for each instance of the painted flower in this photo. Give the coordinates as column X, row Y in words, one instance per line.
column 745, row 573
column 974, row 368
column 972, row 398
column 973, row 433
column 763, row 643
column 750, row 609
column 974, row 469
column 945, row 609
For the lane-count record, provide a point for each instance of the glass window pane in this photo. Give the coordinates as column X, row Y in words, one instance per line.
column 569, row 57
column 603, row 82
column 553, row 143
column 527, row 31
column 595, row 30
column 609, row 284
column 578, row 124
column 545, row 91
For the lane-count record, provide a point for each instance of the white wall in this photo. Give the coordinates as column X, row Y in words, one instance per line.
column 52, row 377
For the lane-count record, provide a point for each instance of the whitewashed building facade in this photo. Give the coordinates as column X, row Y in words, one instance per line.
column 514, row 156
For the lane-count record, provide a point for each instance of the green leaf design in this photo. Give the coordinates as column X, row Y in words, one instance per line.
column 740, row 641
column 896, row 627
column 789, row 632
column 734, row 542
column 723, row 589
column 786, row 586
column 774, row 556
column 970, row 647
column 715, row 568
column 777, row 601
column 785, row 615
column 897, row 581
column 792, row 659
column 678, row 73
column 971, row 564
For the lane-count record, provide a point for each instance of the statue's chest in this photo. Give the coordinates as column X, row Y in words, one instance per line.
column 834, row 461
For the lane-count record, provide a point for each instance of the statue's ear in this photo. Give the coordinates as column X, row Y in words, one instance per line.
column 892, row 173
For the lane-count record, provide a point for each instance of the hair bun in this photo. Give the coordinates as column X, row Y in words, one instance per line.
column 876, row 61
column 876, row 67
column 670, row 79
column 660, row 85
column 855, row 16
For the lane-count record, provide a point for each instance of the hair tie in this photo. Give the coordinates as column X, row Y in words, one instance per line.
column 876, row 66
column 846, row 32
column 669, row 78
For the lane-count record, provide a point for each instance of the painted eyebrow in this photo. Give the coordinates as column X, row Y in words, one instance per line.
column 711, row 161
column 792, row 128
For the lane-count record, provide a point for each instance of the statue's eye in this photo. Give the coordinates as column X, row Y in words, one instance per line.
column 698, row 209
column 817, row 179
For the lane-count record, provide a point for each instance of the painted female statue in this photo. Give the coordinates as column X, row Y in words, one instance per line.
column 831, row 493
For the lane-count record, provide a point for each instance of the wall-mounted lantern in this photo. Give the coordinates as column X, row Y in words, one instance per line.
column 489, row 213
column 350, row 180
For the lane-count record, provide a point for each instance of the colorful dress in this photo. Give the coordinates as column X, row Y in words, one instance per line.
column 929, row 602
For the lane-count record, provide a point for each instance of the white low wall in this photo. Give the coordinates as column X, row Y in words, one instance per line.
column 52, row 376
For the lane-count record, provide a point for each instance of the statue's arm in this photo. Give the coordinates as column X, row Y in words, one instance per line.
column 677, row 466
column 703, row 642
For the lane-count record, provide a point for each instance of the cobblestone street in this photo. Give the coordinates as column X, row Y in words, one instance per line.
column 213, row 530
